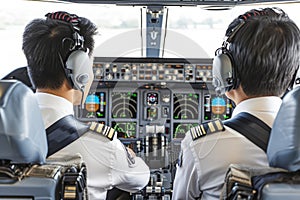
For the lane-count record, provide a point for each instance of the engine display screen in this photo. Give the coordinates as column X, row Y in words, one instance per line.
column 94, row 106
column 217, row 107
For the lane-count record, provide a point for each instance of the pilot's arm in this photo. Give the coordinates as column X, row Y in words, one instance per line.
column 130, row 173
column 186, row 183
column 109, row 164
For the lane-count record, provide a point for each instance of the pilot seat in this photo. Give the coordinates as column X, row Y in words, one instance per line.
column 282, row 179
column 25, row 173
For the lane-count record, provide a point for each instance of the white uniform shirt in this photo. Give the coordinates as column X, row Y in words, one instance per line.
column 205, row 161
column 106, row 160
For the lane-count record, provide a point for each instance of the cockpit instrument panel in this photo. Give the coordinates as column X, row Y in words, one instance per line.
column 152, row 103
column 153, row 70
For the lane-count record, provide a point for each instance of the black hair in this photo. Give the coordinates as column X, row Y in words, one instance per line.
column 45, row 41
column 266, row 51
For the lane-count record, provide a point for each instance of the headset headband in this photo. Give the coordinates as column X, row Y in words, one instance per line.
column 66, row 17
column 243, row 18
column 73, row 20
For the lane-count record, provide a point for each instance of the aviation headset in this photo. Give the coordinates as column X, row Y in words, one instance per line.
column 225, row 76
column 76, row 68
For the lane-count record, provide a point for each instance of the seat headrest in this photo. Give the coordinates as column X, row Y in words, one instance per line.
column 22, row 75
column 22, row 131
column 284, row 143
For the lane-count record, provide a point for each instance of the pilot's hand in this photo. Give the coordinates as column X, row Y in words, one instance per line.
column 131, row 152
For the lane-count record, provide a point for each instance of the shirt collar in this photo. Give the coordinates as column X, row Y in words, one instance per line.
column 260, row 107
column 53, row 107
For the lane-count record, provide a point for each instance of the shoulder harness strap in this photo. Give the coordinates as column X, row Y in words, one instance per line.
column 103, row 130
column 206, row 128
column 63, row 132
column 252, row 128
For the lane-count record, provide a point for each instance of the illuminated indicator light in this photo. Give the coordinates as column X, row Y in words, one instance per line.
column 100, row 114
column 226, row 117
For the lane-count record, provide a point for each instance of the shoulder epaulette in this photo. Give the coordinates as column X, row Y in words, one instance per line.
column 206, row 128
column 102, row 129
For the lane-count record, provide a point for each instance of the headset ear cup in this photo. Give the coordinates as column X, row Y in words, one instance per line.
column 295, row 82
column 235, row 81
column 223, row 72
column 79, row 67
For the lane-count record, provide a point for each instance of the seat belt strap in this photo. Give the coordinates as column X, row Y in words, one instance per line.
column 63, row 132
column 252, row 128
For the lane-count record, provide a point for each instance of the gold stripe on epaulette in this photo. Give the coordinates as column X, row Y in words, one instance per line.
column 198, row 130
column 111, row 133
column 206, row 128
column 193, row 131
column 105, row 130
column 93, row 126
column 102, row 129
column 219, row 125
column 202, row 130
column 211, row 127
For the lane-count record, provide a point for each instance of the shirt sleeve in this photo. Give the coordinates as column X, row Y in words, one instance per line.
column 130, row 173
column 186, row 183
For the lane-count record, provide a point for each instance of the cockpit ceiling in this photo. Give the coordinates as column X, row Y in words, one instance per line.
column 181, row 2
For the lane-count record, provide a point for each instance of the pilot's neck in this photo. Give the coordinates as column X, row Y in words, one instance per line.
column 65, row 91
column 237, row 95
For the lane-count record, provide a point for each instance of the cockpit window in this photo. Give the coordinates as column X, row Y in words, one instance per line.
column 187, row 31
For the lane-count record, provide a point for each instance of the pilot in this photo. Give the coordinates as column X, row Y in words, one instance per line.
column 59, row 55
column 261, row 53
